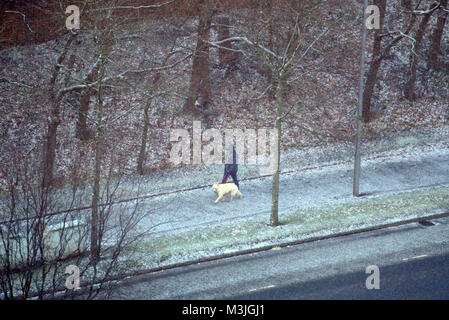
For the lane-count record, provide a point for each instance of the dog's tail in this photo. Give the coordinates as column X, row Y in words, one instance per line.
column 239, row 193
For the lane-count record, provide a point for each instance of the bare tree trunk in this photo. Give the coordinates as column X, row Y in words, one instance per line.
column 268, row 71
column 200, row 78
column 274, row 218
column 409, row 91
column 95, row 240
column 223, row 33
column 434, row 49
column 49, row 153
column 376, row 60
column 70, row 66
column 81, row 125
column 226, row 57
column 143, row 145
column 50, row 144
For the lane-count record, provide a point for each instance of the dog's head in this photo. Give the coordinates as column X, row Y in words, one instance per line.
column 215, row 187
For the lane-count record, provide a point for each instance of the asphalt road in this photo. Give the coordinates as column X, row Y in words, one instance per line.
column 423, row 278
column 412, row 262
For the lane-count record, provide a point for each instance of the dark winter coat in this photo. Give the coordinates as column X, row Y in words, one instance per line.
column 232, row 167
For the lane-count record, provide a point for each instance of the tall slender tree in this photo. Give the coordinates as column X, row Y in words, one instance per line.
column 432, row 57
column 279, row 35
column 375, row 63
column 415, row 51
column 55, row 97
column 199, row 91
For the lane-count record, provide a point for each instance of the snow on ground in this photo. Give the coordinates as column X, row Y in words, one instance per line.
column 298, row 225
column 407, row 168
column 410, row 143
column 312, row 177
column 402, row 177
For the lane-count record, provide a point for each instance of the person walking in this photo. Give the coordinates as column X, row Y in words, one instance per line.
column 231, row 169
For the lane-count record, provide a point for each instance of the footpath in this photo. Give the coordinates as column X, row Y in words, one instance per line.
column 405, row 170
column 400, row 180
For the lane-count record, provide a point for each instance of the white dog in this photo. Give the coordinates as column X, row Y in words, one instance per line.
column 223, row 189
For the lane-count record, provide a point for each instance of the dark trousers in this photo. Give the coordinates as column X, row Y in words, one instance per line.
column 233, row 174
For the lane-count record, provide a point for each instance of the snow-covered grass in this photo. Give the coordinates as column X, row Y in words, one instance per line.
column 295, row 225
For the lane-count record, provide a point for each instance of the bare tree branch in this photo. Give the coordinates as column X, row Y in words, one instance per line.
column 24, row 19
column 151, row 6
column 244, row 39
column 120, row 76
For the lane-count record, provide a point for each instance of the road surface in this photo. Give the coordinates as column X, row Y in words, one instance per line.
column 412, row 260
